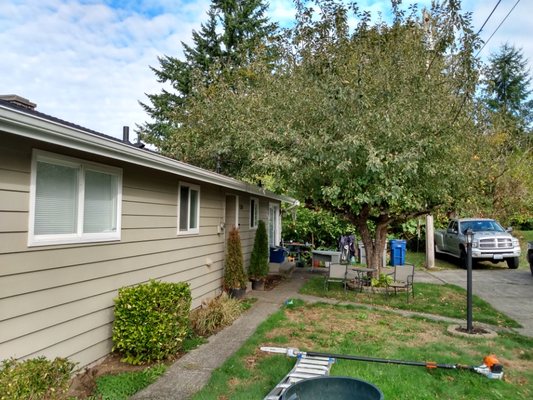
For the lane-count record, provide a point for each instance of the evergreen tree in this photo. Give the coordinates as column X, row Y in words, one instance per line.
column 244, row 29
column 258, row 268
column 507, row 86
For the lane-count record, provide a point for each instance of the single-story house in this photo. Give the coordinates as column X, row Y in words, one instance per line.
column 83, row 214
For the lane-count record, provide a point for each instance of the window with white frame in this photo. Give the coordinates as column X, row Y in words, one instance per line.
column 73, row 201
column 188, row 208
column 254, row 212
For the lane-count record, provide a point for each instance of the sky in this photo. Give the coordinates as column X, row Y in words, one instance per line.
column 88, row 61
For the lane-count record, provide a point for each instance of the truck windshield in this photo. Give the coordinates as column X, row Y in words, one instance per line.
column 478, row 226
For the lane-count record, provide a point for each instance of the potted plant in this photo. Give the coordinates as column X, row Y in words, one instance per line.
column 234, row 275
column 258, row 269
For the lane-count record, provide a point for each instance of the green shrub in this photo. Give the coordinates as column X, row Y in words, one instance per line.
column 382, row 281
column 259, row 258
column 234, row 275
column 36, row 378
column 123, row 385
column 215, row 314
column 151, row 321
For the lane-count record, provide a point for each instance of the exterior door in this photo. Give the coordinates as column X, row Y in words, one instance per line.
column 274, row 225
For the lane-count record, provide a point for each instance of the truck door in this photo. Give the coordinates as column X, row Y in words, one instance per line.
column 451, row 238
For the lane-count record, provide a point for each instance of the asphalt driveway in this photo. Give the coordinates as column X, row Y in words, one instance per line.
column 509, row 291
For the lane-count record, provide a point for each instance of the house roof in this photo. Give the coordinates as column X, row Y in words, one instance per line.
column 27, row 122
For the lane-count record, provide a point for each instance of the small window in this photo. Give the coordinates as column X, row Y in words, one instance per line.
column 73, row 201
column 188, row 209
column 254, row 213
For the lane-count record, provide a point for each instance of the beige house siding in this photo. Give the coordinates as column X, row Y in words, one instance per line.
column 58, row 300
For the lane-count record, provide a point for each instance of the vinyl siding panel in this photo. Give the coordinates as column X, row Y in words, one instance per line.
column 58, row 300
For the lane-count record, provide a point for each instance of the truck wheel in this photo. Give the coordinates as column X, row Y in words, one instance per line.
column 513, row 263
column 462, row 259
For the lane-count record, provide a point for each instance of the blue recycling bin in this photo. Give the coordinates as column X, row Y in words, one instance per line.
column 277, row 255
column 397, row 252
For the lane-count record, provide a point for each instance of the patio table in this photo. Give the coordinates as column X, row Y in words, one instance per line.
column 362, row 275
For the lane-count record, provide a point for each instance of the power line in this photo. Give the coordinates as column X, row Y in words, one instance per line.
column 498, row 27
column 478, row 32
column 484, row 44
column 490, row 15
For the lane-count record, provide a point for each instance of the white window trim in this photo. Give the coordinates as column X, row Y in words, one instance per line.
column 189, row 231
column 79, row 237
column 254, row 202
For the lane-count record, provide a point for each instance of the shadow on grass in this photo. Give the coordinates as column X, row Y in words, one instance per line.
column 443, row 300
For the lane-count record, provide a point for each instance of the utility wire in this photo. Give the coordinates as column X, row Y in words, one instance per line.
column 490, row 15
column 498, row 27
column 484, row 44
column 478, row 32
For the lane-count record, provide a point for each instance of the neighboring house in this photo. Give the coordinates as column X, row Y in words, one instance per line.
column 83, row 214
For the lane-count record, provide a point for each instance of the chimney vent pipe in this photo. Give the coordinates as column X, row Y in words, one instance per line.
column 126, row 134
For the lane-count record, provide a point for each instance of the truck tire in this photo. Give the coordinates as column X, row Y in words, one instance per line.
column 513, row 263
column 462, row 259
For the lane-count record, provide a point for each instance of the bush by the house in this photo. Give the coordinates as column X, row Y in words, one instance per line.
column 36, row 378
column 234, row 275
column 215, row 314
column 259, row 259
column 151, row 321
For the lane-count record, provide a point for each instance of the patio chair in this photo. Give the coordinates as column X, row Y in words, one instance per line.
column 336, row 273
column 402, row 278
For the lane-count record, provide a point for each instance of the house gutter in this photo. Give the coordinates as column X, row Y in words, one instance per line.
column 20, row 123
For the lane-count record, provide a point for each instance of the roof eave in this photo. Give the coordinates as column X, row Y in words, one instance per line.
column 30, row 126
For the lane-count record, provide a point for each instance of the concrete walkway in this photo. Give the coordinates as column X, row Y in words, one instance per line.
column 511, row 292
column 191, row 372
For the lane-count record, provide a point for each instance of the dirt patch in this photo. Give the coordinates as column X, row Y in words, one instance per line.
column 272, row 281
column 476, row 332
column 84, row 383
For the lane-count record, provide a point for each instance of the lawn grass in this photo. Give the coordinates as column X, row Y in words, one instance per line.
column 445, row 300
column 251, row 374
column 122, row 386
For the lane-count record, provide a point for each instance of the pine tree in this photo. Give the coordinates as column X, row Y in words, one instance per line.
column 244, row 30
column 507, row 85
column 259, row 259
column 234, row 275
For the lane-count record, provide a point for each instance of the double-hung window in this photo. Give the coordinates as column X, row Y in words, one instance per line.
column 73, row 201
column 188, row 209
column 254, row 212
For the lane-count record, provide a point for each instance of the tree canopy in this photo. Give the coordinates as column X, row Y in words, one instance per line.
column 234, row 30
column 374, row 123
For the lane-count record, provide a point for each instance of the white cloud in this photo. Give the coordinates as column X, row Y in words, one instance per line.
column 89, row 63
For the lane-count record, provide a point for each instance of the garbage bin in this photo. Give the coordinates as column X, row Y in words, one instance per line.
column 397, row 252
column 277, row 255
column 332, row 387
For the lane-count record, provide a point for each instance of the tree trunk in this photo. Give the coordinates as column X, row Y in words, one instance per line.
column 374, row 246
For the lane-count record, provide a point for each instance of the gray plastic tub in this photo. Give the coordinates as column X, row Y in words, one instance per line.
column 332, row 387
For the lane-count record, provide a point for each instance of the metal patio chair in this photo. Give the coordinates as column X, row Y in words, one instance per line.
column 402, row 278
column 336, row 273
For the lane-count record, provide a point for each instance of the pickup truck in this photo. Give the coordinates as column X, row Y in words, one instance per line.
column 490, row 242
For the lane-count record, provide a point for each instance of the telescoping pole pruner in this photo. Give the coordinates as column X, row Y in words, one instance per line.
column 491, row 367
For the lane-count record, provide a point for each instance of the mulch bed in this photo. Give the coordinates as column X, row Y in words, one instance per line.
column 272, row 281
